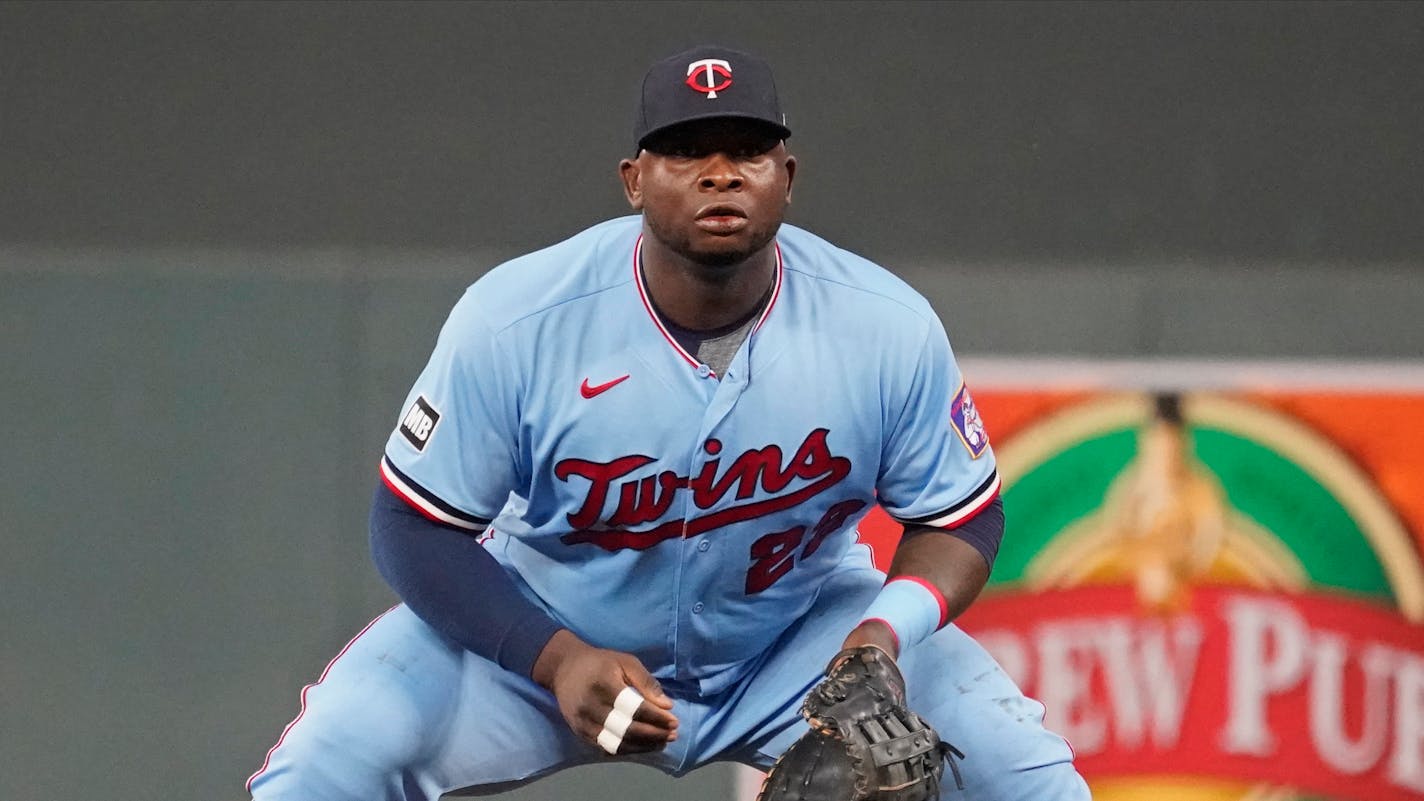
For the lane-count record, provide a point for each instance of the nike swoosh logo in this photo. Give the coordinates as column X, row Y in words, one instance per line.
column 589, row 392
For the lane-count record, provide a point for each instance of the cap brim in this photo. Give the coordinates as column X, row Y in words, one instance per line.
column 781, row 131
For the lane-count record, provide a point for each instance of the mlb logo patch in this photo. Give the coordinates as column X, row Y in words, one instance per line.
column 418, row 424
column 968, row 424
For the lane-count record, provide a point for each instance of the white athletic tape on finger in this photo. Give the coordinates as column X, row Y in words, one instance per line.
column 628, row 702
column 617, row 723
column 609, row 741
column 619, row 719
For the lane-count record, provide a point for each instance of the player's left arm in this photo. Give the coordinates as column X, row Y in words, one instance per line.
column 946, row 571
column 941, row 482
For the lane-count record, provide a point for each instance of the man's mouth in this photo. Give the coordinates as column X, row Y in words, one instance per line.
column 721, row 218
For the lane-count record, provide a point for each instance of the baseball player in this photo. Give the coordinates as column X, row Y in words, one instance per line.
column 619, row 503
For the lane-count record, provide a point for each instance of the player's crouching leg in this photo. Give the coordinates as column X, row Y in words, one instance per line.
column 366, row 724
column 962, row 692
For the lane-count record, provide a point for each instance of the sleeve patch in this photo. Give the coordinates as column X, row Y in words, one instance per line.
column 968, row 424
column 418, row 424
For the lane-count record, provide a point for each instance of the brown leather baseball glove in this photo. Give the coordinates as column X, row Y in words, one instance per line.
column 864, row 743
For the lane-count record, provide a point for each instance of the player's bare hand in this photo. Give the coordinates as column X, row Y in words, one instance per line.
column 872, row 632
column 589, row 684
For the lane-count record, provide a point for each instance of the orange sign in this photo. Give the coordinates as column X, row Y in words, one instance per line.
column 1217, row 595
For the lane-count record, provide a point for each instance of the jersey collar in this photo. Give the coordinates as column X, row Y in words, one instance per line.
column 648, row 304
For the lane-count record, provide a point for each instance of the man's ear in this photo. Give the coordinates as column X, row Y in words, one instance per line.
column 630, row 172
column 790, row 175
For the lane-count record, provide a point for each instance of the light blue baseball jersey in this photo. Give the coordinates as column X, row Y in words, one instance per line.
column 654, row 507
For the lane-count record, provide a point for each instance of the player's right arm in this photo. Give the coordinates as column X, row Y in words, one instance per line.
column 448, row 468
column 452, row 583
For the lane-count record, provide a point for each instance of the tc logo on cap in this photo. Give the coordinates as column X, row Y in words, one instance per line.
column 709, row 76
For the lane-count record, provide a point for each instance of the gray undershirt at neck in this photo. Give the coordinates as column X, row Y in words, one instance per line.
column 717, row 352
column 714, row 348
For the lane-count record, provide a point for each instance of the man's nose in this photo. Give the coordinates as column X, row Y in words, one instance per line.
column 721, row 173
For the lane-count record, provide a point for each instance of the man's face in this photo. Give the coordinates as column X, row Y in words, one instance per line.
column 713, row 191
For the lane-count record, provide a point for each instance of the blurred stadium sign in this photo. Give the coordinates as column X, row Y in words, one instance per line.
column 1212, row 574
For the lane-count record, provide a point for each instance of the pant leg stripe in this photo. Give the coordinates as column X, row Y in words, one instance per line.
column 268, row 759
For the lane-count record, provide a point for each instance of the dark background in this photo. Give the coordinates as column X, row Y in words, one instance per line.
column 1021, row 131
column 229, row 233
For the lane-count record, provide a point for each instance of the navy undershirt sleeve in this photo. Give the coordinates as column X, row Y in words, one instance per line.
column 984, row 531
column 453, row 584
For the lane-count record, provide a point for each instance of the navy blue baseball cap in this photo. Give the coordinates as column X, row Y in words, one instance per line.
column 707, row 82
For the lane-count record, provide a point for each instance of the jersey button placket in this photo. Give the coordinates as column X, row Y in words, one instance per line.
column 703, row 371
column 686, row 654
